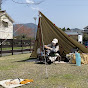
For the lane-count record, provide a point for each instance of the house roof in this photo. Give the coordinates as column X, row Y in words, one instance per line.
column 3, row 12
column 71, row 33
column 85, row 27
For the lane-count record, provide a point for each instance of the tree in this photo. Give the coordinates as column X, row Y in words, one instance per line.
column 63, row 29
column 23, row 33
column 68, row 28
column 85, row 37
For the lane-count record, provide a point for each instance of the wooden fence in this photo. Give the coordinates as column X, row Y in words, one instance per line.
column 13, row 46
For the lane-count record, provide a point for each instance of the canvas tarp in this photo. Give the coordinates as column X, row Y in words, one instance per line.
column 47, row 31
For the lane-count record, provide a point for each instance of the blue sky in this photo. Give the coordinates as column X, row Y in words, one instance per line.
column 64, row 13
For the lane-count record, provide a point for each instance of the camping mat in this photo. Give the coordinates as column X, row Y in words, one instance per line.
column 7, row 84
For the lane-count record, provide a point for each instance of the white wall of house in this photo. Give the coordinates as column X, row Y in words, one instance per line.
column 6, row 28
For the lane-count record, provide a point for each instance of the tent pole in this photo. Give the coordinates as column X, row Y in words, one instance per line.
column 43, row 50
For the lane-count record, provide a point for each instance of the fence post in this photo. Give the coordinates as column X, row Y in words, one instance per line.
column 22, row 46
column 12, row 46
column 30, row 45
column 1, row 47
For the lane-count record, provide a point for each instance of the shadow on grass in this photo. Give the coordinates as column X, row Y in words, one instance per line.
column 27, row 60
column 39, row 63
column 31, row 60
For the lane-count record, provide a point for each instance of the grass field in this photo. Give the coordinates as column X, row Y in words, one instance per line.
column 59, row 75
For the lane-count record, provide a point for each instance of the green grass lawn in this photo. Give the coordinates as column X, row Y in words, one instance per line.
column 59, row 75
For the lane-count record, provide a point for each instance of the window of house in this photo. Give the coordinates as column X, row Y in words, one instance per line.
column 5, row 24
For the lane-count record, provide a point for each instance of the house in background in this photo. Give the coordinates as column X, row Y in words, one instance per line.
column 76, row 34
column 85, row 30
column 85, row 33
column 73, row 35
column 6, row 26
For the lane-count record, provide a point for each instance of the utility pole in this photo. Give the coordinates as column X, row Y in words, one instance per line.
column 0, row 9
column 35, row 28
column 0, row 4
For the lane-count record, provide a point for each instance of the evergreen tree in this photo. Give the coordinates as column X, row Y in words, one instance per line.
column 63, row 29
column 85, row 37
column 68, row 28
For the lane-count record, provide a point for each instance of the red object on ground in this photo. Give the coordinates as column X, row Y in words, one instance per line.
column 86, row 46
column 69, row 35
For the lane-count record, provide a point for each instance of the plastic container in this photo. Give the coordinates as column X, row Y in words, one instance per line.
column 78, row 59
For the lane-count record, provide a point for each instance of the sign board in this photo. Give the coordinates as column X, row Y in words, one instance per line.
column 79, row 38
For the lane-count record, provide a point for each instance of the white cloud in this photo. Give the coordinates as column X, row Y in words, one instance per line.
column 30, row 1
column 33, row 2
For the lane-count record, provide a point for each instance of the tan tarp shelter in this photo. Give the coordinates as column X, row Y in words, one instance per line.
column 47, row 31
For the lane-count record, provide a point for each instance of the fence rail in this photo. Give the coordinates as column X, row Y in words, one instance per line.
column 13, row 46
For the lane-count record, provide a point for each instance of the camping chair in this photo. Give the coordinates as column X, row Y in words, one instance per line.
column 53, row 56
column 49, row 58
column 58, row 58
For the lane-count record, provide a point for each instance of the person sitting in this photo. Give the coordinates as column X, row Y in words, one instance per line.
column 53, row 51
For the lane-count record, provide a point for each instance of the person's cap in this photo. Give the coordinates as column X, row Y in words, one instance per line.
column 55, row 40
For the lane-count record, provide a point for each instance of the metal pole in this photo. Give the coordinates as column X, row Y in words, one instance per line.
column 35, row 28
column 0, row 4
column 22, row 46
column 43, row 48
column 1, row 47
column 12, row 46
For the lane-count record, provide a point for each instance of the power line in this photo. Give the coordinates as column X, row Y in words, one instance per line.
column 29, row 2
column 19, row 2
